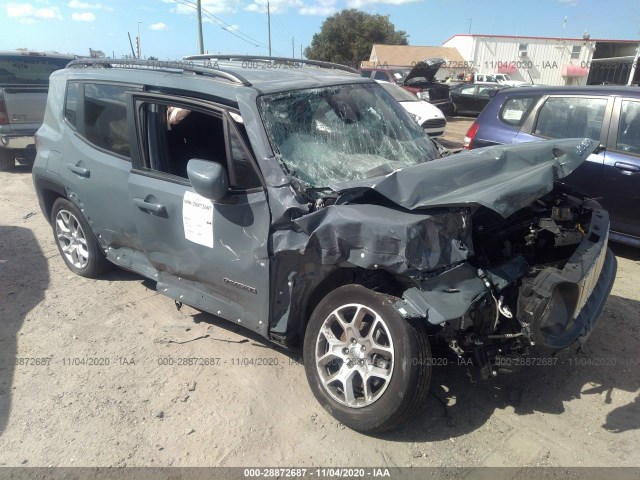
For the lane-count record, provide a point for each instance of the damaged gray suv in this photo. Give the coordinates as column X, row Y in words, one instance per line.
column 299, row 200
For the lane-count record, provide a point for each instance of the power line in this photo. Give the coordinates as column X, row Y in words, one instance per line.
column 286, row 35
column 224, row 25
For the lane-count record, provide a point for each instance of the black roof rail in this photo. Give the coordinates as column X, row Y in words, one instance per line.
column 316, row 63
column 163, row 65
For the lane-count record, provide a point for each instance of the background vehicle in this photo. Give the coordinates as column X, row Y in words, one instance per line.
column 24, row 81
column 429, row 117
column 306, row 205
column 608, row 114
column 495, row 79
column 419, row 80
column 471, row 99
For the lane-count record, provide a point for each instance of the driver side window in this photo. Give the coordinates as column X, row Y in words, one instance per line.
column 177, row 133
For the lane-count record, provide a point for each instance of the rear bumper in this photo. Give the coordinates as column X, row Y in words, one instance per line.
column 17, row 141
column 445, row 105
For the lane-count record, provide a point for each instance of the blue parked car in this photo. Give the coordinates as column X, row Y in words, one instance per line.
column 608, row 114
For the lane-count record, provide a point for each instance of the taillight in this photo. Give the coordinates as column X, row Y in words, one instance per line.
column 4, row 117
column 471, row 135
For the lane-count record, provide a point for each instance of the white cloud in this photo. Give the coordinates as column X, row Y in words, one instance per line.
column 158, row 26
column 88, row 6
column 210, row 6
column 362, row 3
column 276, row 6
column 27, row 13
column 322, row 8
column 83, row 17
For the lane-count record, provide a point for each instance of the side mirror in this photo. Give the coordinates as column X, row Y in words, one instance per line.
column 208, row 179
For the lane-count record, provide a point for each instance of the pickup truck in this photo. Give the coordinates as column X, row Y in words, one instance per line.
column 495, row 78
column 24, row 83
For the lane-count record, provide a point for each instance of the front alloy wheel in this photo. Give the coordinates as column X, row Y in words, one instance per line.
column 366, row 365
column 354, row 355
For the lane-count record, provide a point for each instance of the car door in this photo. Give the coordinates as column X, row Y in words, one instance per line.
column 97, row 160
column 482, row 96
column 212, row 255
column 572, row 116
column 464, row 98
column 620, row 185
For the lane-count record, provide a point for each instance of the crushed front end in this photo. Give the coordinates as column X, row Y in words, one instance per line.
column 539, row 277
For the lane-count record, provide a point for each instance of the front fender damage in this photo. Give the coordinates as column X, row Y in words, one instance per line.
column 360, row 238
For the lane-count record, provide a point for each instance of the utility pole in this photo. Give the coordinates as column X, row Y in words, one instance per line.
column 200, row 41
column 133, row 53
column 634, row 65
column 269, row 25
column 293, row 48
column 138, row 40
column 300, row 50
column 469, row 20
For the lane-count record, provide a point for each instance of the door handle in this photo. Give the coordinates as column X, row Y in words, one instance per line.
column 83, row 172
column 626, row 168
column 151, row 207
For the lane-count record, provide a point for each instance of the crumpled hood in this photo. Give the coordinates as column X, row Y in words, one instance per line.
column 504, row 178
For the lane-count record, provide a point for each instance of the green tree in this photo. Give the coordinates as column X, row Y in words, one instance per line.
column 347, row 37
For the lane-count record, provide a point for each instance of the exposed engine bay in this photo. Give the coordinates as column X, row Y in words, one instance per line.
column 534, row 243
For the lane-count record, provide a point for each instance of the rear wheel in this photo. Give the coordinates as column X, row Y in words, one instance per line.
column 366, row 365
column 77, row 245
column 7, row 159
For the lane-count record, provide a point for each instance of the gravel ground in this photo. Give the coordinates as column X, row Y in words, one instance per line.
column 98, row 380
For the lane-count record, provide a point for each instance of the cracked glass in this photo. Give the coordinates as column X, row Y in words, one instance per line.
column 324, row 136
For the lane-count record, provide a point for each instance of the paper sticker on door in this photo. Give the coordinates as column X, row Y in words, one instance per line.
column 197, row 217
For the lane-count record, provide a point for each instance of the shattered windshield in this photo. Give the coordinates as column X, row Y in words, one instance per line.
column 324, row 136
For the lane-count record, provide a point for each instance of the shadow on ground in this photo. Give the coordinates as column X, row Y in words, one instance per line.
column 459, row 402
column 22, row 287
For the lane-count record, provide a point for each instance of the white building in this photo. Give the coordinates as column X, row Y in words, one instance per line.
column 541, row 60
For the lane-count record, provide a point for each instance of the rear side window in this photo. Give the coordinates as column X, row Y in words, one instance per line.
column 571, row 117
column 71, row 103
column 485, row 91
column 515, row 110
column 381, row 76
column 628, row 139
column 105, row 117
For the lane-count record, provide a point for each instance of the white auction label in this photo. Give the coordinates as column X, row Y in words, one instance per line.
column 197, row 217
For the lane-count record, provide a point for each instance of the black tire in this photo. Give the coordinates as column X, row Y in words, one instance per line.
column 410, row 365
column 66, row 216
column 7, row 159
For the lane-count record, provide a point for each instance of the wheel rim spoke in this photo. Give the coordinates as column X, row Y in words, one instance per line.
column 71, row 239
column 354, row 355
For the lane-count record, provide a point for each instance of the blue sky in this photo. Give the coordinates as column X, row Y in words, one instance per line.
column 168, row 27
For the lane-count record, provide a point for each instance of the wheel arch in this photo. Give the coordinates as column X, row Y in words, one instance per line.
column 48, row 192
column 305, row 295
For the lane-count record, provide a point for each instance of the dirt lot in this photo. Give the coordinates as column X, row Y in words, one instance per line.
column 97, row 381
